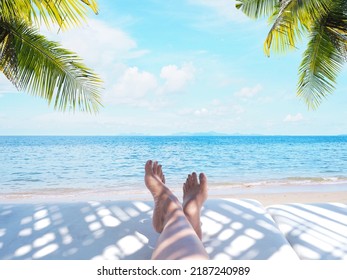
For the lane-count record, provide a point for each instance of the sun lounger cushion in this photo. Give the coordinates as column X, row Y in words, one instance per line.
column 242, row 230
column 232, row 229
column 315, row 231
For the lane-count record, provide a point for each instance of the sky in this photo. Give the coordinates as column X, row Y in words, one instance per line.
column 179, row 66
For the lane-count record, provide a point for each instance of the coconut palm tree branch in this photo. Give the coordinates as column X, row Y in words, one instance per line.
column 42, row 67
column 321, row 63
column 292, row 19
column 257, row 8
column 336, row 24
column 64, row 13
column 284, row 32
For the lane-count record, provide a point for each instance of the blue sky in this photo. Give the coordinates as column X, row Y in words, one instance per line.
column 179, row 66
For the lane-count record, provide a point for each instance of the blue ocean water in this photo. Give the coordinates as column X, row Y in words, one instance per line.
column 34, row 164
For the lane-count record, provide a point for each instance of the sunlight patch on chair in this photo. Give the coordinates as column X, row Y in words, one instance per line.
column 103, row 212
column 212, row 226
column 26, row 220
column 130, row 244
column 90, row 218
column 110, row 221
column 226, row 234
column 254, row 233
column 222, row 256
column 95, row 226
column 110, row 253
column 2, row 232
column 217, row 217
column 40, row 214
column 123, row 216
column 21, row 251
column 285, row 228
column 247, row 216
column 132, row 212
column 142, row 206
column 49, row 249
column 308, row 253
column 41, row 224
column 231, row 209
column 25, row 232
column 236, row 225
column 241, row 244
column 66, row 237
column 44, row 240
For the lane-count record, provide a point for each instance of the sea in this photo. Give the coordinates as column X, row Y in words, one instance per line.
column 74, row 166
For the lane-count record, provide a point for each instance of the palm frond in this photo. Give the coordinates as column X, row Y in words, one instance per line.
column 257, row 8
column 285, row 30
column 42, row 67
column 64, row 13
column 336, row 25
column 320, row 66
column 291, row 20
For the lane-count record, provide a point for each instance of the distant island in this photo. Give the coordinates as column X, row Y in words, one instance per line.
column 212, row 133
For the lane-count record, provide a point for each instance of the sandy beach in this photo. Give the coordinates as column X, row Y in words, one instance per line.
column 267, row 195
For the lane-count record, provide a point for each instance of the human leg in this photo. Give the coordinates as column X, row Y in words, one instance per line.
column 178, row 239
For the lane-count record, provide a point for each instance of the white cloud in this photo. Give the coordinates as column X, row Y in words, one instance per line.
column 98, row 43
column 131, row 86
column 134, row 86
column 176, row 78
column 249, row 92
column 293, row 118
column 201, row 112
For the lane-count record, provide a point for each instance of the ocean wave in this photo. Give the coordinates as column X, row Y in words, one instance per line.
column 289, row 181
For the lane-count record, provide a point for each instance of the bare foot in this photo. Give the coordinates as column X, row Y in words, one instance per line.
column 166, row 203
column 194, row 196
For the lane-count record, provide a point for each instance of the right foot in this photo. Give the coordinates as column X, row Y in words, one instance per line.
column 166, row 203
column 194, row 196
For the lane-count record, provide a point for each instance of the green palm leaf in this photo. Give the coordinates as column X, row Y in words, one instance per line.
column 292, row 18
column 321, row 63
column 64, row 13
column 42, row 67
column 325, row 24
column 257, row 8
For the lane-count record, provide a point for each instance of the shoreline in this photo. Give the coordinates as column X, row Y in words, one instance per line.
column 265, row 195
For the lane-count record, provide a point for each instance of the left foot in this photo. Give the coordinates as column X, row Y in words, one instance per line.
column 194, row 196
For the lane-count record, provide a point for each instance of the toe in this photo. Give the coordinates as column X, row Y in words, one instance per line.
column 148, row 167
column 194, row 179
column 189, row 179
column 155, row 168
column 202, row 178
column 160, row 171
